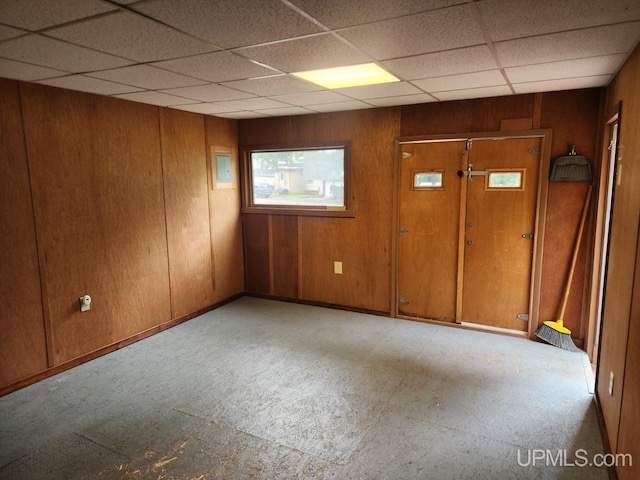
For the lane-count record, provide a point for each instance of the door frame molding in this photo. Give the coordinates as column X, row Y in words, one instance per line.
column 545, row 135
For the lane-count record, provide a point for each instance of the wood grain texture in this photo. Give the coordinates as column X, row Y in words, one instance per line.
column 573, row 117
column 225, row 219
column 619, row 344
column 97, row 193
column 629, row 432
column 362, row 243
column 498, row 261
column 478, row 115
column 23, row 350
column 187, row 210
column 284, row 256
column 257, row 267
column 428, row 252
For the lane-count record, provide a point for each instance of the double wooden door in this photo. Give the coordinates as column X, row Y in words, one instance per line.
column 467, row 214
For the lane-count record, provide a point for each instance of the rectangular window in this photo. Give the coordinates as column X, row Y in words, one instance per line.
column 505, row 179
column 428, row 180
column 299, row 180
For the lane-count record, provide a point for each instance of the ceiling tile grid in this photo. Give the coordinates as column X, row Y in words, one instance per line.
column 234, row 58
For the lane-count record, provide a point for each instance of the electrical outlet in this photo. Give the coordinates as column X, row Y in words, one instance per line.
column 611, row 383
column 85, row 303
column 337, row 268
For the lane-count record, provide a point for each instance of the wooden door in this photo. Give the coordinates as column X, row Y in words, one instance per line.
column 499, row 227
column 428, row 239
column 465, row 245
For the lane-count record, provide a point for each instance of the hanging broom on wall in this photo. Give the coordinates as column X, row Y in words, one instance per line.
column 554, row 332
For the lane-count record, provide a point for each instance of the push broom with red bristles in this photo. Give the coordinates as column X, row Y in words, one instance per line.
column 554, row 332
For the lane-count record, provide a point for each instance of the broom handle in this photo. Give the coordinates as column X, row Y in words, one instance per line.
column 576, row 249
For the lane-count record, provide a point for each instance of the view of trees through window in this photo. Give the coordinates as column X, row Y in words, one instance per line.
column 305, row 178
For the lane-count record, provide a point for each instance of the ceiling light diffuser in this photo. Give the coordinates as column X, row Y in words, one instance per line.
column 352, row 76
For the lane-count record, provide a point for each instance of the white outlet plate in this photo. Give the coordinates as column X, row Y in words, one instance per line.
column 337, row 268
column 611, row 383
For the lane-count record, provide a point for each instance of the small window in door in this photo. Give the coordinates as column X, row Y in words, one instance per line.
column 506, row 179
column 428, row 180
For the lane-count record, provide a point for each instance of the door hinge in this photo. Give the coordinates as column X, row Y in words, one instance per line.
column 403, row 301
column 469, row 145
column 404, row 230
column 524, row 316
column 527, row 236
column 406, row 155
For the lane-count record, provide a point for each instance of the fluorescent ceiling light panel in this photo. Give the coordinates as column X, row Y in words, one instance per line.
column 343, row 77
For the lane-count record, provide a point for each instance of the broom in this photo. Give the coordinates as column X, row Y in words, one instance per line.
column 554, row 332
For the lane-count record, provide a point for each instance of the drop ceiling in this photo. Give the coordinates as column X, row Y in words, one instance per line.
column 234, row 58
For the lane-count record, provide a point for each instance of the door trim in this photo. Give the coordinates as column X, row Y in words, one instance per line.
column 540, row 214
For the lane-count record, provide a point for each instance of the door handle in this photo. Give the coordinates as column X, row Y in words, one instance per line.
column 469, row 242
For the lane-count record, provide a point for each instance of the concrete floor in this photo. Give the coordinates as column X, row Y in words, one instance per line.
column 263, row 389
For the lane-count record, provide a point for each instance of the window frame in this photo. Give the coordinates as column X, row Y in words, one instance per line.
column 523, row 178
column 248, row 205
column 428, row 188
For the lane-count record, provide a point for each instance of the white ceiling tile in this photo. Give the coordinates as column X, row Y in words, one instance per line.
column 378, row 91
column 464, row 81
column 562, row 84
column 439, row 64
column 26, row 72
column 473, row 93
column 52, row 53
column 146, row 76
column 217, row 67
column 131, row 36
column 279, row 112
column 589, row 42
column 524, row 18
column 583, row 67
column 340, row 106
column 37, row 14
column 205, row 108
column 312, row 98
column 10, row 32
column 241, row 115
column 154, row 98
column 253, row 104
column 310, row 53
column 208, row 93
column 231, row 23
column 444, row 29
column 88, row 84
column 274, row 85
column 338, row 13
column 401, row 100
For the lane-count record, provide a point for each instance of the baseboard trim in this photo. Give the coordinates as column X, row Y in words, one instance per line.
column 379, row 313
column 606, row 446
column 49, row 372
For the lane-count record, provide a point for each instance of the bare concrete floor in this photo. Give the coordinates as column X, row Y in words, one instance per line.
column 263, row 389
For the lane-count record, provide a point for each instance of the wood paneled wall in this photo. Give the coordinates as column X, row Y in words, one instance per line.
column 187, row 211
column 97, row 192
column 107, row 198
column 573, row 117
column 21, row 319
column 224, row 210
column 279, row 251
column 293, row 257
column 620, row 342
